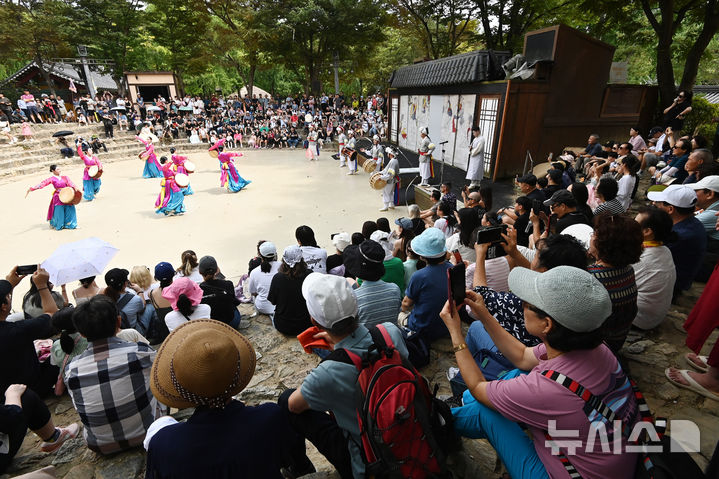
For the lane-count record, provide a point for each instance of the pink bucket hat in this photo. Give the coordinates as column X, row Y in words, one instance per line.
column 182, row 286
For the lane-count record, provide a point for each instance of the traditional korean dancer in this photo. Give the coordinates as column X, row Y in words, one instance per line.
column 152, row 167
column 60, row 215
column 390, row 193
column 90, row 185
column 178, row 163
column 170, row 201
column 229, row 176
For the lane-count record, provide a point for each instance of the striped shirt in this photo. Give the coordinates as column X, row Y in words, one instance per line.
column 611, row 207
column 110, row 388
column 622, row 288
column 378, row 302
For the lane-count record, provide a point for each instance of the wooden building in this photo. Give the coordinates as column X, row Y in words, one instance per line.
column 150, row 85
column 567, row 98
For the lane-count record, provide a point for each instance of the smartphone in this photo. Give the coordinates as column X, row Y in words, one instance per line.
column 26, row 269
column 456, row 286
column 552, row 223
column 537, row 206
column 457, row 256
column 490, row 234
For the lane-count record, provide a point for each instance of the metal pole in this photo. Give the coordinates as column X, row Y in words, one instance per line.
column 336, row 58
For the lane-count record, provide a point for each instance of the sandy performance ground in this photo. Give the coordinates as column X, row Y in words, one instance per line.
column 287, row 190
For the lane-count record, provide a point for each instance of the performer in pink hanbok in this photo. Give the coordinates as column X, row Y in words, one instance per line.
column 152, row 167
column 90, row 185
column 178, row 163
column 170, row 201
column 229, row 176
column 59, row 215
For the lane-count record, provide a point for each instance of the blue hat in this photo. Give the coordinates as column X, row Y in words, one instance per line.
column 164, row 271
column 405, row 223
column 430, row 244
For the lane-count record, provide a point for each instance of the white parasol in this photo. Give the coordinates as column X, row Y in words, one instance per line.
column 79, row 259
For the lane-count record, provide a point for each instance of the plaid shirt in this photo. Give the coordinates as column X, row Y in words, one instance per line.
column 110, row 387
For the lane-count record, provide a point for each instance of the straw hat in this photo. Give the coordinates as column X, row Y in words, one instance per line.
column 202, row 363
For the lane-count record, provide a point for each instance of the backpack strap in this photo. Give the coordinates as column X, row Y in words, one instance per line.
column 122, row 302
column 345, row 356
column 382, row 340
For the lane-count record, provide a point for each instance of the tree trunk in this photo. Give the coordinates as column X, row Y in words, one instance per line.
column 694, row 55
column 665, row 70
column 251, row 79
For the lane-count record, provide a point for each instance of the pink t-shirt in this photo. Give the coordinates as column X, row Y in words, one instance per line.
column 535, row 400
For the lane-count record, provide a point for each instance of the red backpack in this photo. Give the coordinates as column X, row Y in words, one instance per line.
column 406, row 432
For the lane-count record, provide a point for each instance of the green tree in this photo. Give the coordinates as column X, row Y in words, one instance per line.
column 34, row 29
column 111, row 29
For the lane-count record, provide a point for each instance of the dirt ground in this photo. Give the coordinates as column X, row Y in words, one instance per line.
column 286, row 191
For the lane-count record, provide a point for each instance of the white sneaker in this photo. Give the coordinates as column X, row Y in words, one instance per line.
column 383, row 209
column 391, row 207
column 349, row 173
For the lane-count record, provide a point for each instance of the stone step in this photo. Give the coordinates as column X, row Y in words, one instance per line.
column 46, row 131
column 46, row 149
column 24, row 166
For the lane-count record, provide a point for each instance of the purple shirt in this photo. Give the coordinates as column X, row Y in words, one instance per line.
column 535, row 400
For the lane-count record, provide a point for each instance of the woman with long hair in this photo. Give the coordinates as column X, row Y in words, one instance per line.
column 261, row 278
column 446, row 221
column 32, row 303
column 581, row 194
column 189, row 267
column 462, row 240
column 152, row 167
column 60, row 215
column 403, row 237
column 291, row 315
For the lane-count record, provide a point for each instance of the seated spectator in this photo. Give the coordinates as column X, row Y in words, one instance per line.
column 403, row 235
column 88, row 288
column 32, row 301
column 393, row 267
column 164, row 274
column 331, row 385
column 427, row 290
column 21, row 410
column 707, row 190
column 528, row 186
column 628, row 168
column 189, row 267
column 377, row 301
column 564, row 207
column 314, row 256
column 674, row 171
column 446, row 220
column 496, row 263
column 110, row 382
column 472, row 199
column 581, row 194
column 383, row 225
column 636, row 141
column 447, row 195
column 291, row 315
column 521, row 212
column 261, row 278
column 606, row 192
column 218, row 293
column 615, row 245
column 418, row 225
column 412, row 264
column 185, row 297
column 690, row 240
column 17, row 351
column 554, row 183
column 130, row 304
column 699, row 165
column 209, row 443
column 335, row 262
column 368, row 227
column 255, row 262
column 654, row 273
column 430, row 215
column 70, row 344
column 566, row 308
column 462, row 240
column 140, row 276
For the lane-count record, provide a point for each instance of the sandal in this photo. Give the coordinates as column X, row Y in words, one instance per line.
column 692, row 386
column 703, row 359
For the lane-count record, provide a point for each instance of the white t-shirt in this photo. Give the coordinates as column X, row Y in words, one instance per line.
column 468, row 254
column 260, row 286
column 194, row 275
column 174, row 319
column 655, row 275
column 316, row 258
column 626, row 186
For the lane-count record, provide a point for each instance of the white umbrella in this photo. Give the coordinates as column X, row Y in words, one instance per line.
column 79, row 259
column 153, row 108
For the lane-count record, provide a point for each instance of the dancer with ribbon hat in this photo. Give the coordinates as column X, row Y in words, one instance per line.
column 229, row 176
column 426, row 147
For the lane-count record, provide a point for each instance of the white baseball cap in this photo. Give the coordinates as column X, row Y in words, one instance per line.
column 681, row 196
column 341, row 240
column 706, row 183
column 329, row 298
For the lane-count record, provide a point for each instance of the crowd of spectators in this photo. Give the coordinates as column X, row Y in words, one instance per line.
column 573, row 273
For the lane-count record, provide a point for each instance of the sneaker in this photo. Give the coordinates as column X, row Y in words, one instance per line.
column 66, row 433
column 391, row 207
column 383, row 209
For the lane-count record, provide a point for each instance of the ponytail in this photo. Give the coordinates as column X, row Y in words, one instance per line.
column 184, row 305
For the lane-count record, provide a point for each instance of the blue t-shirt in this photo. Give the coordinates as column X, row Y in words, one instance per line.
column 688, row 250
column 428, row 290
column 709, row 220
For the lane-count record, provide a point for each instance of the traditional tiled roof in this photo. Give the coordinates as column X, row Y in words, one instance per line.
column 709, row 92
column 480, row 65
column 68, row 72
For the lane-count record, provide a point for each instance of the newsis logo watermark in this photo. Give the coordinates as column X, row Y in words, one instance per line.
column 685, row 437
